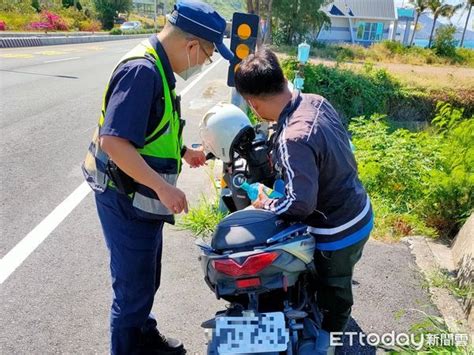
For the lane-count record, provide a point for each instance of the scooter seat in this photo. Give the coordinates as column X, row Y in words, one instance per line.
column 245, row 229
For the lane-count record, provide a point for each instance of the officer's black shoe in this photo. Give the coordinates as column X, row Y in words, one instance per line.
column 155, row 343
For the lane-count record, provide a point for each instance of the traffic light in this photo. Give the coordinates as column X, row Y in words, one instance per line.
column 243, row 40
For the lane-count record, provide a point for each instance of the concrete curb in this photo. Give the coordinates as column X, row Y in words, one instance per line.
column 14, row 34
column 50, row 41
column 431, row 257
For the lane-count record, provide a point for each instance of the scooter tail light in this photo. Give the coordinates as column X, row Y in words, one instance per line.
column 248, row 283
column 251, row 266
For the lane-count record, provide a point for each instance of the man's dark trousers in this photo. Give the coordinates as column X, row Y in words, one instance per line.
column 135, row 247
column 334, row 285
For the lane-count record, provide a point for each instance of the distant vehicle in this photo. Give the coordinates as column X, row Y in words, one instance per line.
column 119, row 20
column 131, row 26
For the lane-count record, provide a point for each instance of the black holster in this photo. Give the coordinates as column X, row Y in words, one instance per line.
column 123, row 183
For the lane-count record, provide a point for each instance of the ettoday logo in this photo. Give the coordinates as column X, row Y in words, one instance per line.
column 392, row 339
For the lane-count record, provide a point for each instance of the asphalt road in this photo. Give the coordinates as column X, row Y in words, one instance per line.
column 57, row 300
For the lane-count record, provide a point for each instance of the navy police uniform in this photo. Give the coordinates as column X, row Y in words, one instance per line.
column 134, row 106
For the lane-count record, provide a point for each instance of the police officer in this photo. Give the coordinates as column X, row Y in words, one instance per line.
column 134, row 161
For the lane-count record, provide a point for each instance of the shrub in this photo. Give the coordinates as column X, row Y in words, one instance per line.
column 465, row 56
column 90, row 26
column 73, row 17
column 351, row 94
column 36, row 5
column 444, row 43
column 17, row 6
column 116, row 31
column 18, row 21
column 451, row 197
column 49, row 22
column 419, row 182
column 371, row 90
column 3, row 26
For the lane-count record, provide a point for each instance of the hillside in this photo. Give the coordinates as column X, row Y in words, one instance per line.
column 426, row 22
column 227, row 7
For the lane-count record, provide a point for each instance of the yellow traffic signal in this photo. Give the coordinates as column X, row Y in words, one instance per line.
column 243, row 40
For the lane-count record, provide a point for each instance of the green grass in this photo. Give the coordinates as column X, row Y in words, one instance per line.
column 442, row 279
column 432, row 326
column 203, row 218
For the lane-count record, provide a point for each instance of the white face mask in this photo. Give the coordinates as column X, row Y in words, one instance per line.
column 191, row 71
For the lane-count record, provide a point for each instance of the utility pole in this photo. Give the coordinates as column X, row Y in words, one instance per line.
column 465, row 27
column 154, row 20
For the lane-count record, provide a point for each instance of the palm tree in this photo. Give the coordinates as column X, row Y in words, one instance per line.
column 440, row 8
column 468, row 5
column 420, row 7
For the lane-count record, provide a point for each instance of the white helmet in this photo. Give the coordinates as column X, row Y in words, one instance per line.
column 220, row 126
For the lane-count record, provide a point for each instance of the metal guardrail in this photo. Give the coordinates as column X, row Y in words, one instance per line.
column 16, row 42
column 17, row 34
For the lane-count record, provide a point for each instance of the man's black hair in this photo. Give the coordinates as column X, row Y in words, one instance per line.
column 260, row 74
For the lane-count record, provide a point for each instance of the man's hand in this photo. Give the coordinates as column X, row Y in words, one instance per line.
column 262, row 198
column 195, row 157
column 173, row 198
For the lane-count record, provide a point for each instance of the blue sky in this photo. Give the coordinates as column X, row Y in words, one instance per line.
column 457, row 19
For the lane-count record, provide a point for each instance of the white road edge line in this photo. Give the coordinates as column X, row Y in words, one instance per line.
column 61, row 60
column 200, row 76
column 15, row 257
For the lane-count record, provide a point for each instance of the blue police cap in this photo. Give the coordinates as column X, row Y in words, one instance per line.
column 201, row 20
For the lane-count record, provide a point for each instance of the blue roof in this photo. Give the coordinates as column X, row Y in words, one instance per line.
column 335, row 11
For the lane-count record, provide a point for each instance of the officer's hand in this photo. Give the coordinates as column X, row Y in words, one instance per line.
column 173, row 198
column 195, row 157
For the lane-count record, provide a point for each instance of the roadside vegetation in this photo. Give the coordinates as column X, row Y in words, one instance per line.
column 420, row 181
column 419, row 174
column 29, row 15
column 444, row 52
column 87, row 15
column 68, row 15
column 435, row 337
column 443, row 279
column 203, row 217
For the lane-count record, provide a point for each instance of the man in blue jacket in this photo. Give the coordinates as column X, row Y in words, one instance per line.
column 313, row 154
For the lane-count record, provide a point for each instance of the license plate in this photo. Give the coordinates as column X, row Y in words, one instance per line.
column 264, row 332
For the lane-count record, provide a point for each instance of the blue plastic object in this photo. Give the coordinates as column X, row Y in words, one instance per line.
column 253, row 190
column 279, row 186
column 298, row 83
column 303, row 52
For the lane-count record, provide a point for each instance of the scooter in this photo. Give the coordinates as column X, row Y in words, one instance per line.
column 261, row 264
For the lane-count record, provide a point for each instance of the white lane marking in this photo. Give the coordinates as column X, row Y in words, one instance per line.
column 25, row 247
column 15, row 257
column 200, row 76
column 61, row 60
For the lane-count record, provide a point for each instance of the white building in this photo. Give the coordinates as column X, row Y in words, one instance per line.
column 360, row 21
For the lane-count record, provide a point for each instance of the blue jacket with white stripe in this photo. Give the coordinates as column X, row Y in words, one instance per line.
column 313, row 154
